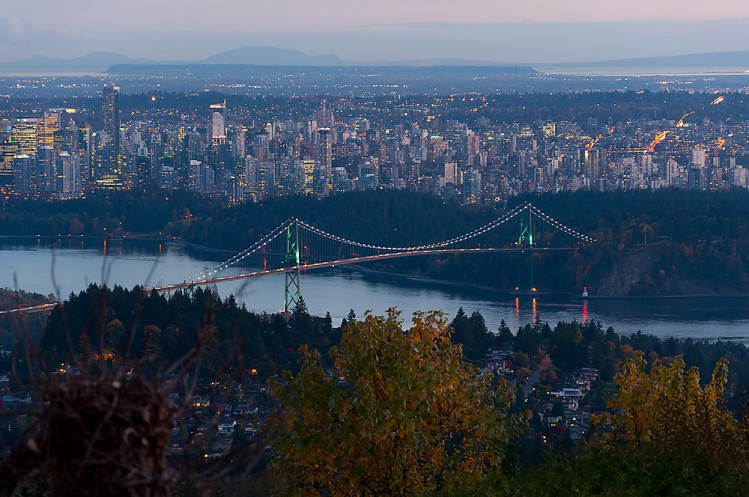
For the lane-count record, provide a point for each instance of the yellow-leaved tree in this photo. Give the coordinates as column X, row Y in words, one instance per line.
column 666, row 409
column 399, row 413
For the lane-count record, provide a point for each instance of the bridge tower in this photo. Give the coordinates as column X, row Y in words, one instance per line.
column 292, row 290
column 525, row 241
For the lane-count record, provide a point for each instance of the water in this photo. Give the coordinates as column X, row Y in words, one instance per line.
column 73, row 264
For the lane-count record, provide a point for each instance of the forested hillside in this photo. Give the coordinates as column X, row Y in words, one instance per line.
column 668, row 242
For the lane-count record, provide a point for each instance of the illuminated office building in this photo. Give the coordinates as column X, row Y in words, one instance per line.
column 24, row 133
column 218, row 124
column 46, row 170
column 24, row 180
column 46, row 127
column 8, row 151
column 110, row 110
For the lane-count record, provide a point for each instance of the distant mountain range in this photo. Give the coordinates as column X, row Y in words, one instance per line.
column 256, row 56
column 100, row 62
column 270, row 56
column 97, row 61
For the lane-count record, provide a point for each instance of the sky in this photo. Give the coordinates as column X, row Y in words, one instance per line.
column 493, row 30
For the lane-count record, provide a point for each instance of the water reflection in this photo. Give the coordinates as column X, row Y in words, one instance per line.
column 78, row 262
column 585, row 312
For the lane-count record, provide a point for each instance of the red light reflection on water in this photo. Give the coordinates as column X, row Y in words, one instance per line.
column 585, row 311
column 534, row 309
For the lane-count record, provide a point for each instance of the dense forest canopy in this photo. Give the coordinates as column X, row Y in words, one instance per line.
column 648, row 242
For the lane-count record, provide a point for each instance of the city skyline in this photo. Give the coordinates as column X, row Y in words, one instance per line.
column 545, row 32
column 457, row 147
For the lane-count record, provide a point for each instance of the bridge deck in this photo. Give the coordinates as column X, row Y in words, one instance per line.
column 352, row 260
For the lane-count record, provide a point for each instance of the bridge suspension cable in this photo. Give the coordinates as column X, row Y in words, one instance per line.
column 243, row 254
column 275, row 233
column 559, row 225
column 452, row 241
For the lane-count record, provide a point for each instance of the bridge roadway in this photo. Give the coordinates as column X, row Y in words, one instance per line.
column 31, row 309
column 352, row 260
column 301, row 267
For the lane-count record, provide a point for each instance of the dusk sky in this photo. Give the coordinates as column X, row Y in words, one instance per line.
column 501, row 31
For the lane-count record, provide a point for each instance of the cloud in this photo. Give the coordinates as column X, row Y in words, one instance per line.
column 18, row 30
column 13, row 30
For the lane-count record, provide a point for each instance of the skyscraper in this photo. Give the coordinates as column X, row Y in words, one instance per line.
column 8, row 150
column 24, row 174
column 24, row 133
column 46, row 170
column 110, row 110
column 326, row 151
column 68, row 172
column 218, row 123
column 47, row 125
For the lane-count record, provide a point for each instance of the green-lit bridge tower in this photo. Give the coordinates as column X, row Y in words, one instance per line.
column 525, row 241
column 292, row 284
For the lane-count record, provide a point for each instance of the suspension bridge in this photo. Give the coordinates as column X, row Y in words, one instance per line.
column 295, row 246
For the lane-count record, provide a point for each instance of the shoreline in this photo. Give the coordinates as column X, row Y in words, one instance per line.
column 356, row 268
column 510, row 293
column 136, row 237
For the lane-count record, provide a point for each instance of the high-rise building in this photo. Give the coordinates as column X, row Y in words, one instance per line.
column 24, row 174
column 23, row 132
column 46, row 127
column 694, row 178
column 86, row 152
column 66, row 140
column 266, row 180
column 451, row 173
column 699, row 157
column 218, row 123
column 8, row 150
column 472, row 186
column 238, row 148
column 46, row 170
column 326, row 151
column 143, row 173
column 308, row 172
column 68, row 174
column 110, row 110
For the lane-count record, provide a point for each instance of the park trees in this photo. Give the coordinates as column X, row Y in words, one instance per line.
column 398, row 412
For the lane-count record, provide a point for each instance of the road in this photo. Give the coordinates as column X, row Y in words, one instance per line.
column 545, row 364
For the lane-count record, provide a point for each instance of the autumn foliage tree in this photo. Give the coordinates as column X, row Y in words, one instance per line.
column 666, row 409
column 398, row 413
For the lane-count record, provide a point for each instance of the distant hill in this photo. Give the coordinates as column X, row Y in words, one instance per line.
column 265, row 56
column 244, row 56
column 383, row 72
column 271, row 56
column 97, row 61
column 437, row 62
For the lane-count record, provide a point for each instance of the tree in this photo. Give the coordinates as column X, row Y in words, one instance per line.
column 462, row 332
column 527, row 340
column 301, row 306
column 301, row 321
column 504, row 335
column 399, row 414
column 666, row 409
column 351, row 318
